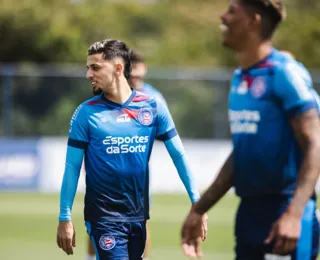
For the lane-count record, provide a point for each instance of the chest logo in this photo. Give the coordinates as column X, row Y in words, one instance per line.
column 145, row 117
column 258, row 87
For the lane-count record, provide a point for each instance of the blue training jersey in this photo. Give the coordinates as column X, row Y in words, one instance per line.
column 262, row 100
column 118, row 140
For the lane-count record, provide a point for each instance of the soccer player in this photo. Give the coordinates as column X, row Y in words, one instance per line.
column 136, row 81
column 274, row 165
column 114, row 132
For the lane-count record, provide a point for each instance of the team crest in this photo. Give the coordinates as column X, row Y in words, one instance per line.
column 107, row 242
column 145, row 117
column 258, row 87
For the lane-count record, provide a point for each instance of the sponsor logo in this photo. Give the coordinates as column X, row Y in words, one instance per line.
column 127, row 144
column 123, row 118
column 243, row 88
column 244, row 121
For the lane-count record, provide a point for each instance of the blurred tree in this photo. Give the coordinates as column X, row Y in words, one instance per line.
column 171, row 33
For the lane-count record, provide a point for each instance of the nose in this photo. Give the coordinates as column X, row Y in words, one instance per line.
column 223, row 18
column 89, row 74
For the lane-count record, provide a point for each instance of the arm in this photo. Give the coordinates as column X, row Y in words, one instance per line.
column 70, row 181
column 306, row 128
column 167, row 133
column 176, row 150
column 77, row 143
column 218, row 188
column 298, row 99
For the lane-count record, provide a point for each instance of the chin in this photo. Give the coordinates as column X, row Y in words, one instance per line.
column 226, row 44
column 97, row 91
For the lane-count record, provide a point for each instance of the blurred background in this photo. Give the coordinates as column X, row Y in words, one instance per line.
column 43, row 46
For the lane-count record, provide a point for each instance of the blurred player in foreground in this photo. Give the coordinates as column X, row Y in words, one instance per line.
column 274, row 165
column 138, row 72
column 115, row 132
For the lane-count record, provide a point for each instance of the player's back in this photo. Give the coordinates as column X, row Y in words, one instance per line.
column 262, row 101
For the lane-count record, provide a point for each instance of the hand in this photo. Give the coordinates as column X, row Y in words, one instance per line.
column 285, row 233
column 193, row 231
column 66, row 237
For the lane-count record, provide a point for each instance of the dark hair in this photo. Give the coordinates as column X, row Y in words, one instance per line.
column 272, row 13
column 137, row 57
column 112, row 49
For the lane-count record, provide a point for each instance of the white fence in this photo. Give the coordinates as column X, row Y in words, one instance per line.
column 38, row 164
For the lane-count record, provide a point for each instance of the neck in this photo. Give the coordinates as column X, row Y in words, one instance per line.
column 120, row 92
column 252, row 55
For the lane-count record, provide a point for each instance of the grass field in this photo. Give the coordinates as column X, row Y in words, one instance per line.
column 28, row 225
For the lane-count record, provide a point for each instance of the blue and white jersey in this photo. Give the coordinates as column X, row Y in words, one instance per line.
column 262, row 101
column 118, row 139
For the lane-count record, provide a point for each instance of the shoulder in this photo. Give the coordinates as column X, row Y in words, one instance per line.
column 96, row 100
column 142, row 97
column 288, row 67
column 85, row 106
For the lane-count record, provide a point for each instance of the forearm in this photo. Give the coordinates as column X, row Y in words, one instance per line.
column 307, row 179
column 70, row 182
column 186, row 177
column 218, row 188
column 68, row 192
column 176, row 151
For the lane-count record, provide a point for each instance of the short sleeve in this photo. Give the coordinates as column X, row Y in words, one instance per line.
column 78, row 131
column 293, row 86
column 165, row 128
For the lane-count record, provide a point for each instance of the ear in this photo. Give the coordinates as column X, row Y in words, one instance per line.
column 256, row 20
column 119, row 69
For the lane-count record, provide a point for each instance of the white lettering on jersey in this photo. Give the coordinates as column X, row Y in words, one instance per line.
column 244, row 121
column 127, row 144
column 123, row 118
column 243, row 88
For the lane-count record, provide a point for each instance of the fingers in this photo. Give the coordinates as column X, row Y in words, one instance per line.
column 279, row 245
column 189, row 250
column 66, row 244
column 58, row 242
column 271, row 235
column 192, row 249
column 74, row 240
column 198, row 250
column 289, row 245
column 204, row 232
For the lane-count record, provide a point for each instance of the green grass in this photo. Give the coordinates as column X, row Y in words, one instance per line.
column 28, row 225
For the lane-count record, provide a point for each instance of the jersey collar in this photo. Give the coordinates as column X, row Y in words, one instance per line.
column 119, row 104
column 244, row 71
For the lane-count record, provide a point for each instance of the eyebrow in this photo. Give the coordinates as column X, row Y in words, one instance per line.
column 93, row 65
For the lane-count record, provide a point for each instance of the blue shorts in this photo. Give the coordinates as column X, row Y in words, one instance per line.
column 118, row 240
column 254, row 220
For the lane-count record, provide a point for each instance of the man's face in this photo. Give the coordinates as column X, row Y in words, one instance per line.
column 235, row 25
column 101, row 73
column 138, row 72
